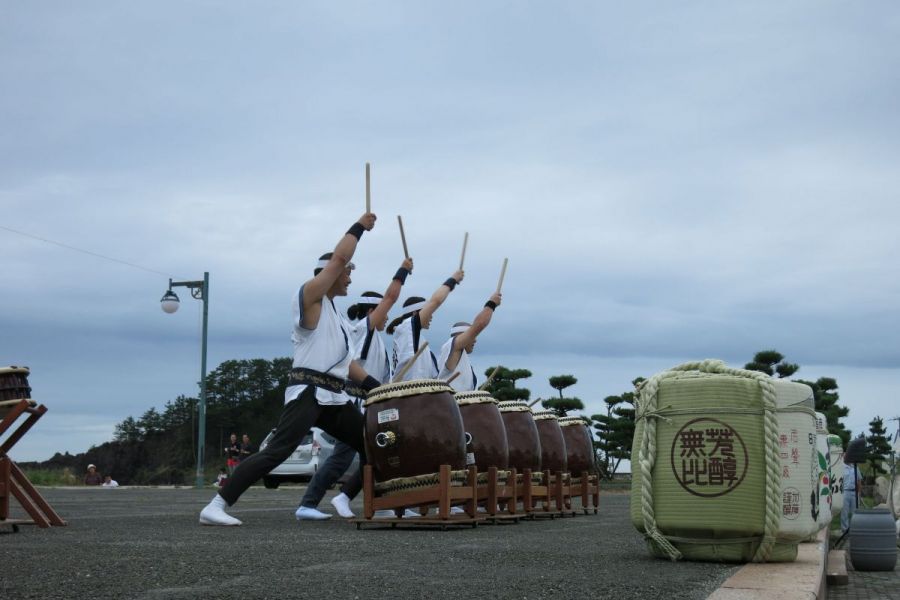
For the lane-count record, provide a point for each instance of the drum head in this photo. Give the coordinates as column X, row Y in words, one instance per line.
column 476, row 397
column 402, row 389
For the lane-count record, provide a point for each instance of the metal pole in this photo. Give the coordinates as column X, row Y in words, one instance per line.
column 201, row 417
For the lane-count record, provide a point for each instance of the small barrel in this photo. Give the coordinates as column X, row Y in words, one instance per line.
column 521, row 435
column 553, row 445
column 579, row 446
column 873, row 540
column 486, row 444
column 412, row 428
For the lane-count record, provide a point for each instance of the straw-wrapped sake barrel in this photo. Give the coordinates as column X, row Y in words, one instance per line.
column 821, row 505
column 723, row 464
column 836, row 472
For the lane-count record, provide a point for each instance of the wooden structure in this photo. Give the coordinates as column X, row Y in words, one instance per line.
column 441, row 495
column 13, row 482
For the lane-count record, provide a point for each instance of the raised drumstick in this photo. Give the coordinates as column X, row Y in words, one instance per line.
column 403, row 236
column 462, row 258
column 409, row 365
column 490, row 378
column 368, row 191
column 452, row 377
column 502, row 274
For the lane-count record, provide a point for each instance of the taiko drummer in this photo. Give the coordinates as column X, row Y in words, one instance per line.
column 407, row 332
column 455, row 352
column 323, row 371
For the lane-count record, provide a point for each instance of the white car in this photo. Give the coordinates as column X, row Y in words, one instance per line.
column 314, row 449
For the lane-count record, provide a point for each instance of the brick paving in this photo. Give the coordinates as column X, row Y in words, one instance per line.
column 867, row 585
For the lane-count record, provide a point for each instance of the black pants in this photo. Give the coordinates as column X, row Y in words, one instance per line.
column 344, row 422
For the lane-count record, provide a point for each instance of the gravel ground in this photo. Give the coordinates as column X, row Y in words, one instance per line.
column 146, row 543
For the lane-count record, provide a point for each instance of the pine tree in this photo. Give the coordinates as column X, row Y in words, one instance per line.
column 503, row 386
column 771, row 362
column 877, row 447
column 562, row 405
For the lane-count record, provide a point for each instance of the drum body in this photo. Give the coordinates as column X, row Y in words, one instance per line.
column 521, row 436
column 487, row 446
column 553, row 445
column 579, row 447
column 14, row 383
column 412, row 428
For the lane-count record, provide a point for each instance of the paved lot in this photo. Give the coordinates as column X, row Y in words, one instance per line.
column 146, row 543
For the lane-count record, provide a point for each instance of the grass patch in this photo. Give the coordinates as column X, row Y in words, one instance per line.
column 51, row 477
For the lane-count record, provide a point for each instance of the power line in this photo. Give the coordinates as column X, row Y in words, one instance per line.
column 67, row 247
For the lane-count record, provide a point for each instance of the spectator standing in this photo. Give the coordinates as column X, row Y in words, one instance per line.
column 232, row 453
column 92, row 477
column 247, row 447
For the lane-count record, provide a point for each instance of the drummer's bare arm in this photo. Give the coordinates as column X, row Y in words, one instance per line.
column 438, row 297
column 479, row 324
column 391, row 295
column 316, row 288
column 357, row 373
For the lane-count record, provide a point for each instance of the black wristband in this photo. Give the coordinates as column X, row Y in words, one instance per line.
column 491, row 305
column 356, row 230
column 370, row 383
column 401, row 275
column 451, row 283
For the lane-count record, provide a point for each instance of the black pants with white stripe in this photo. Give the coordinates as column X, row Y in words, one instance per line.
column 343, row 421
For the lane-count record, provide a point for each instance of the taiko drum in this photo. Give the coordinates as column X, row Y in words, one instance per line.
column 412, row 428
column 14, row 383
column 521, row 436
column 553, row 446
column 486, row 444
column 579, row 447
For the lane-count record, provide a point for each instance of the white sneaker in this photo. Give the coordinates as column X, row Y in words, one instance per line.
column 457, row 510
column 341, row 504
column 410, row 514
column 385, row 513
column 214, row 514
column 308, row 513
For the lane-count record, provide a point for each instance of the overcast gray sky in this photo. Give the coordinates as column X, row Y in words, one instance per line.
column 670, row 182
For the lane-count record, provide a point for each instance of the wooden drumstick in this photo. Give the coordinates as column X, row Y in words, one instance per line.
column 502, row 274
column 490, row 378
column 452, row 377
column 409, row 365
column 462, row 258
column 368, row 191
column 403, row 237
column 533, row 403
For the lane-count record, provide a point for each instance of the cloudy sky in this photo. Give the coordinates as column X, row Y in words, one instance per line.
column 670, row 182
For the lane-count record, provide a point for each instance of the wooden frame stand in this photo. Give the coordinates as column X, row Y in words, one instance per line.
column 442, row 495
column 587, row 489
column 13, row 482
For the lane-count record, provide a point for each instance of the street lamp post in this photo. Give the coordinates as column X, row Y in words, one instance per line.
column 169, row 303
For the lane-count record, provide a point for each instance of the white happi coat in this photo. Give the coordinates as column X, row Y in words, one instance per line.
column 369, row 350
column 325, row 349
column 467, row 380
column 406, row 344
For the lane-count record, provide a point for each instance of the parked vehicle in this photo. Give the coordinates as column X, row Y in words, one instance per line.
column 314, row 449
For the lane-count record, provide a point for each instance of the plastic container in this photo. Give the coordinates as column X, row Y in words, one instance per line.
column 873, row 540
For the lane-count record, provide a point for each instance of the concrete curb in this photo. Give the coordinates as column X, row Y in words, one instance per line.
column 802, row 579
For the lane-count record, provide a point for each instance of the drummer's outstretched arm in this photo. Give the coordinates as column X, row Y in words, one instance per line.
column 391, row 295
column 316, row 288
column 438, row 297
column 480, row 323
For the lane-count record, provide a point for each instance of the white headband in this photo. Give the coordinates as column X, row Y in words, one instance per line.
column 458, row 329
column 368, row 300
column 323, row 262
column 413, row 307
